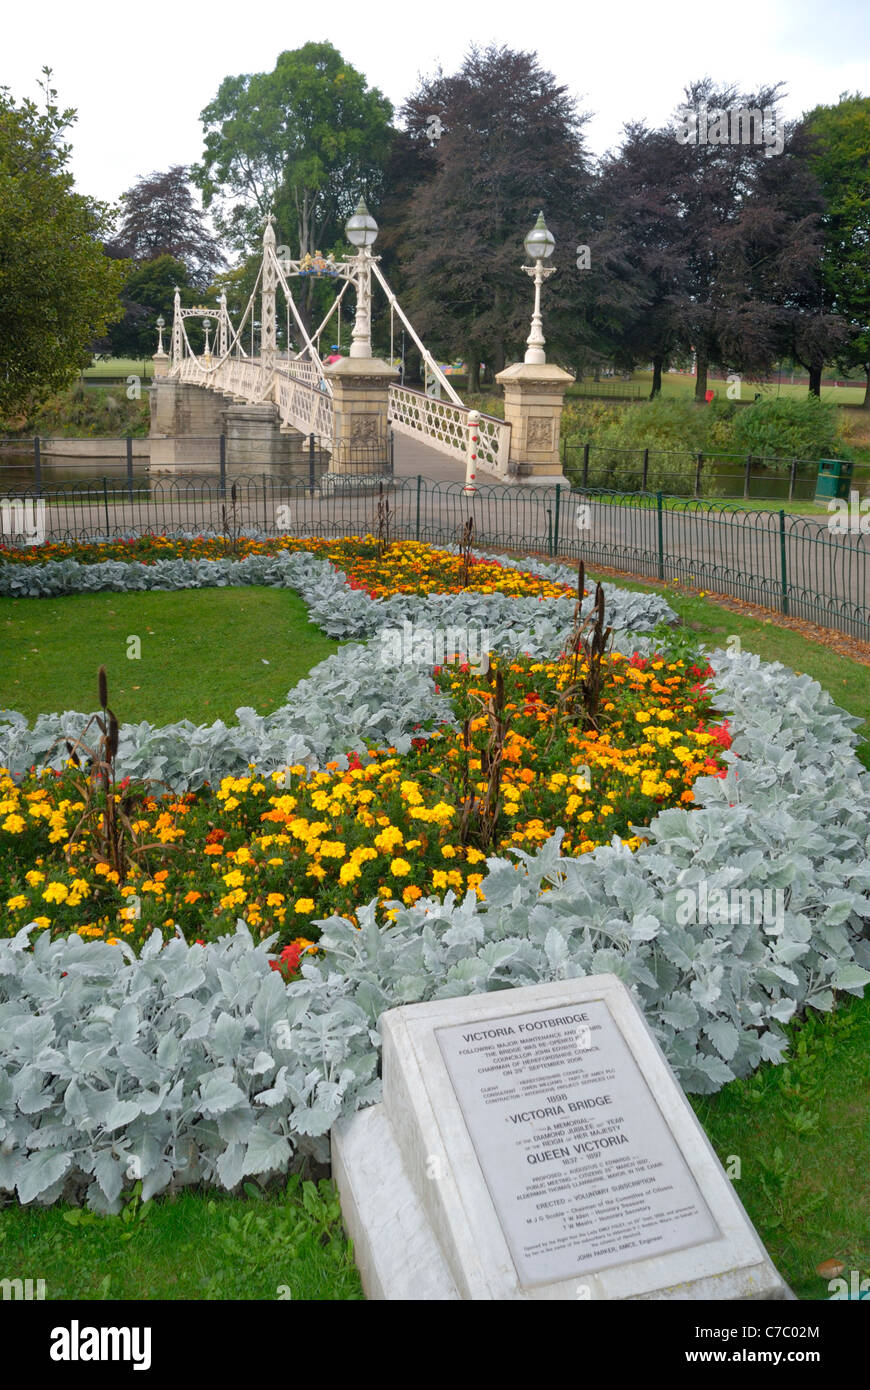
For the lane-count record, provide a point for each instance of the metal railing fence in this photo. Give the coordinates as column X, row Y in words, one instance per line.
column 685, row 473
column 794, row 564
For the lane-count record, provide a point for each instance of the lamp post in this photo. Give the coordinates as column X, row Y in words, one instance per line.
column 206, row 326
column 161, row 322
column 540, row 245
column 361, row 230
column 222, row 326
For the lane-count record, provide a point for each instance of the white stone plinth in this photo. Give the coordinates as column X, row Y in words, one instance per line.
column 445, row 1192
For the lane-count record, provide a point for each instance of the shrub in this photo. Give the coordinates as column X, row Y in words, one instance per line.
column 786, row 428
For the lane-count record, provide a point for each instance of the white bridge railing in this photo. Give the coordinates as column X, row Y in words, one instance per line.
column 294, row 387
column 444, row 426
column 307, row 408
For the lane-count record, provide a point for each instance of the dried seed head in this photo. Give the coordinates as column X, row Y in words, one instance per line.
column 104, row 687
column 112, row 745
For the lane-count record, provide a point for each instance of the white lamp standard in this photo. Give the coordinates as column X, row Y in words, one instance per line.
column 161, row 322
column 361, row 231
column 539, row 244
column 206, row 326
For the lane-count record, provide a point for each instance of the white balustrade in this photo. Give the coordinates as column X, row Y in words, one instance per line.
column 304, row 399
column 444, row 426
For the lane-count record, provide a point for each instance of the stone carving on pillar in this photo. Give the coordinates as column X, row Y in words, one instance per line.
column 364, row 428
column 540, row 432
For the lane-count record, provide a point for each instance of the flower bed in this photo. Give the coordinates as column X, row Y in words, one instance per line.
column 199, row 1063
column 281, row 852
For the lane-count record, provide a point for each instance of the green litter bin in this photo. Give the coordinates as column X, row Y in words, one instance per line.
column 834, row 478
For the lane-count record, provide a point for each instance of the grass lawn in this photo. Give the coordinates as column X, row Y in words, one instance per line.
column 200, row 1245
column 802, row 1134
column 120, row 366
column 204, row 652
column 676, row 384
column 819, row 510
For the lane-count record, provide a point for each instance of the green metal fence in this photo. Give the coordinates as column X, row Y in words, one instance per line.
column 683, row 473
column 797, row 565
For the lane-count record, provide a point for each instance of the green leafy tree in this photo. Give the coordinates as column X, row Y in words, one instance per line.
column 58, row 288
column 148, row 292
column 840, row 159
column 305, row 141
column 748, row 234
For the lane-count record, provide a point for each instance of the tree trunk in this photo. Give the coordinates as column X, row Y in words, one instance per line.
column 866, row 401
column 472, row 358
column 701, row 380
column 815, row 371
column 657, row 378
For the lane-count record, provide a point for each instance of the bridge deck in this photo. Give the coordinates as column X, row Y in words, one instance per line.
column 411, row 456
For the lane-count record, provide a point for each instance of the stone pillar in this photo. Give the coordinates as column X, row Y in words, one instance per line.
column 186, row 423
column 533, row 398
column 361, row 438
column 161, row 363
column 255, row 439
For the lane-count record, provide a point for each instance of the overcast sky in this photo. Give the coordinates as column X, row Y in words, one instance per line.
column 139, row 74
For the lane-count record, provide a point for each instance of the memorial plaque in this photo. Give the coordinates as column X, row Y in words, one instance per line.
column 533, row 1143
column 579, row 1161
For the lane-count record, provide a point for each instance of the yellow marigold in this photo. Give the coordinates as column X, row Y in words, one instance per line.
column 333, row 849
column 56, row 893
column 17, row 903
column 304, row 905
column 389, row 837
column 233, row 899
column 400, row 868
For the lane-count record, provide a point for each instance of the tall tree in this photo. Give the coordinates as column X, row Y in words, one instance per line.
column 511, row 146
column 305, row 141
column 641, row 217
column 748, row 232
column 58, row 288
column 840, row 138
column 160, row 218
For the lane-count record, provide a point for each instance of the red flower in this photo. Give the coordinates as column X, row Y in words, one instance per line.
column 288, row 961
